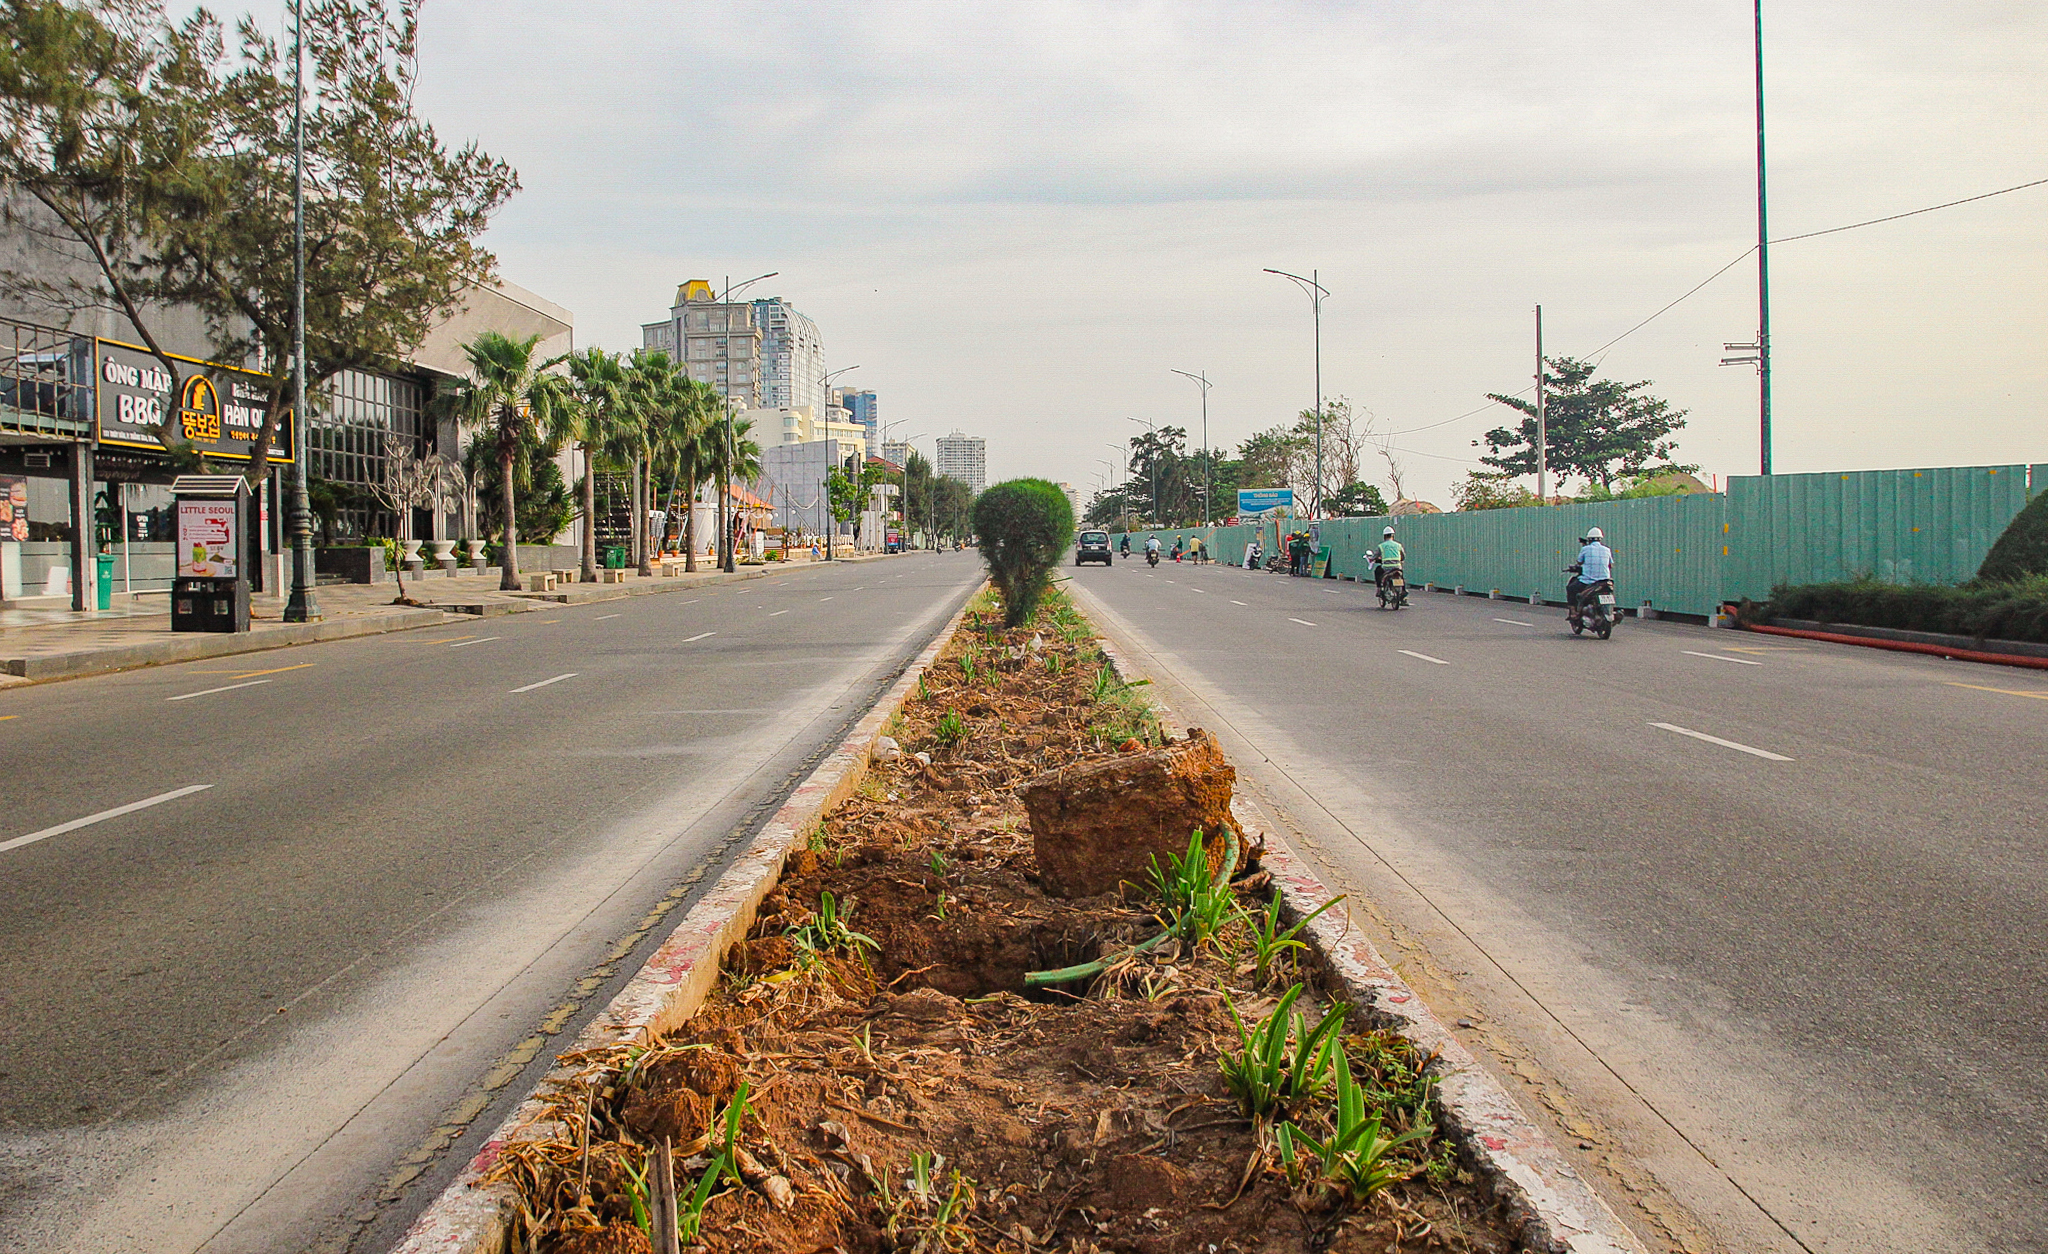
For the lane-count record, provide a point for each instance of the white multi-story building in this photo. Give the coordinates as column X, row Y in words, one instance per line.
column 762, row 353
column 897, row 452
column 798, row 426
column 963, row 457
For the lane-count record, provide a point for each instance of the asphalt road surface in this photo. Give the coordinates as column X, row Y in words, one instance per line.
column 1756, row 924
column 288, row 971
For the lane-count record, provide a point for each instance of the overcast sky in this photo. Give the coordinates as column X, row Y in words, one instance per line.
column 1017, row 218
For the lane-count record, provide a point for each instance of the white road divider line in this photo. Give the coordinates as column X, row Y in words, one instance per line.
column 1725, row 744
column 699, row 636
column 1715, row 657
column 824, row 598
column 465, row 644
column 601, row 617
column 1239, row 603
column 778, row 613
column 1425, row 657
column 1193, row 589
column 1303, row 621
column 207, row 692
column 1514, row 622
column 102, row 816
column 545, row 682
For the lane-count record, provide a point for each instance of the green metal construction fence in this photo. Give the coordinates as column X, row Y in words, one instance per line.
column 1691, row 554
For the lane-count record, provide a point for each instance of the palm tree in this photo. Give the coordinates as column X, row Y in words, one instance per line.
column 508, row 393
column 596, row 420
column 661, row 400
column 689, row 450
column 733, row 456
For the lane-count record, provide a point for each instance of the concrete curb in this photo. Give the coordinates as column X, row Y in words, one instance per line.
column 193, row 647
column 470, row 1218
column 1934, row 643
column 1554, row 1209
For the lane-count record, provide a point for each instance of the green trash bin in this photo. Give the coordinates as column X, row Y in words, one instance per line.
column 615, row 557
column 104, row 585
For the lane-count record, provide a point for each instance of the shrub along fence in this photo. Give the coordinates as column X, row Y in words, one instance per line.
column 1692, row 554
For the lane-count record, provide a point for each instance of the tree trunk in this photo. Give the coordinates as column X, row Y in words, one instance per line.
column 510, row 582
column 690, row 529
column 646, row 518
column 725, row 556
column 589, row 572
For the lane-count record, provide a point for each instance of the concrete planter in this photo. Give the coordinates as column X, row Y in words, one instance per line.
column 355, row 564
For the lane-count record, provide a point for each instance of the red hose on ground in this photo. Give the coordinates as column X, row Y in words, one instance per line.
column 1907, row 646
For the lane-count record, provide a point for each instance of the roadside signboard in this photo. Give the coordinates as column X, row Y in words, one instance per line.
column 14, row 508
column 219, row 408
column 206, row 539
column 1252, row 502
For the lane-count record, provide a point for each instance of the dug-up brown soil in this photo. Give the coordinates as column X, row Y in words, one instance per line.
column 908, row 1095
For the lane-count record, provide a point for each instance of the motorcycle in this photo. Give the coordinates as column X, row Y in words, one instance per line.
column 1393, row 589
column 1276, row 562
column 1594, row 609
column 1152, row 557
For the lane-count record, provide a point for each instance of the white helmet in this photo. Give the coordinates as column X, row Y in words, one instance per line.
column 1593, row 533
column 1389, row 531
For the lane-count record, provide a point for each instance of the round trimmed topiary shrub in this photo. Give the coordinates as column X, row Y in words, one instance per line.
column 1022, row 527
column 2023, row 548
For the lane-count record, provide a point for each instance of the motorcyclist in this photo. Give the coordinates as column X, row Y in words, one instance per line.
column 1125, row 548
column 1596, row 563
column 1253, row 554
column 1388, row 556
column 1151, row 546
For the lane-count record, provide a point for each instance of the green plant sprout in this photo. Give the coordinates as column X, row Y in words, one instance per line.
column 1268, row 942
column 1265, row 1075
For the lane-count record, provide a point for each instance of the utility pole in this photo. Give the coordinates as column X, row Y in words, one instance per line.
column 730, row 560
column 1763, row 261
column 302, row 607
column 1316, row 291
column 824, row 405
column 1208, row 480
column 1542, row 431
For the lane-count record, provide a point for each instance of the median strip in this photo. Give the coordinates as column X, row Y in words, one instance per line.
column 102, row 816
column 1725, row 744
column 545, row 682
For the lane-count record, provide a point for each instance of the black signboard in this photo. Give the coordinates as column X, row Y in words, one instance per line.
column 219, row 408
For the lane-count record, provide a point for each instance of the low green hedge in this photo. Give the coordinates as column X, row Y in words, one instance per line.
column 2006, row 610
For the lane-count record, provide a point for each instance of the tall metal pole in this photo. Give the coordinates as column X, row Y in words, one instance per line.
column 1153, row 462
column 1542, row 429
column 1316, row 291
column 302, row 607
column 1763, row 261
column 825, row 403
column 1208, row 480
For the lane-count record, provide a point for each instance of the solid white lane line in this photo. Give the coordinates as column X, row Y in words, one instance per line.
column 1715, row 657
column 693, row 600
column 485, row 640
column 1514, row 622
column 1303, row 621
column 778, row 613
column 1425, row 657
column 207, row 692
column 824, row 598
column 1725, row 744
column 699, row 636
column 102, row 816
column 545, row 682
column 601, row 617
column 1237, row 603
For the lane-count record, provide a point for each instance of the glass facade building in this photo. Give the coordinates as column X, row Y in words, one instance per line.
column 352, row 413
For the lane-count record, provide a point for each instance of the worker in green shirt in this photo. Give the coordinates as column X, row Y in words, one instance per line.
column 1389, row 555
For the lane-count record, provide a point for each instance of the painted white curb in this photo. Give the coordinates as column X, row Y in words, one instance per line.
column 1552, row 1207
column 472, row 1218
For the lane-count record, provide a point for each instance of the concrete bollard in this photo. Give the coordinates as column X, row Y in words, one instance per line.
column 1535, row 599
column 1645, row 612
column 1458, row 591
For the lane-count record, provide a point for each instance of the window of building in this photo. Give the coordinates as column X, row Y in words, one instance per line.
column 352, row 413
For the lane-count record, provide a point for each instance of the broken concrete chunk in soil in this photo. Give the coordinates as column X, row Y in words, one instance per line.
column 1096, row 826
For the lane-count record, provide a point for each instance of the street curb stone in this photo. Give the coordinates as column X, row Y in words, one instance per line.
column 470, row 1217
column 1552, row 1207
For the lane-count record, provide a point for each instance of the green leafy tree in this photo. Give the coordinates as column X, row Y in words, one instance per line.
column 594, row 420
column 1358, row 499
column 689, row 448
column 734, row 455
column 168, row 164
column 1480, row 490
column 1599, row 430
column 543, row 504
column 664, row 408
column 509, row 396
column 1023, row 527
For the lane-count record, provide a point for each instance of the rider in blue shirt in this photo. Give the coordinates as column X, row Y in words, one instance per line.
column 1596, row 562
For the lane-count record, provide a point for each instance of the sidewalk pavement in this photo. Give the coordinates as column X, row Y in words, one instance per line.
column 42, row 644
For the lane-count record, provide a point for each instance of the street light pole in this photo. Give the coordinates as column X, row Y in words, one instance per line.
column 730, row 561
column 1316, row 291
column 824, row 404
column 1208, row 479
column 1763, row 261
column 1123, row 480
column 1153, row 462
column 1542, row 430
column 302, row 607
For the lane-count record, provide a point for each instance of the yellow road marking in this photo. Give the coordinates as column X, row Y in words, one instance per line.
column 275, row 671
column 5, row 717
column 2010, row 692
